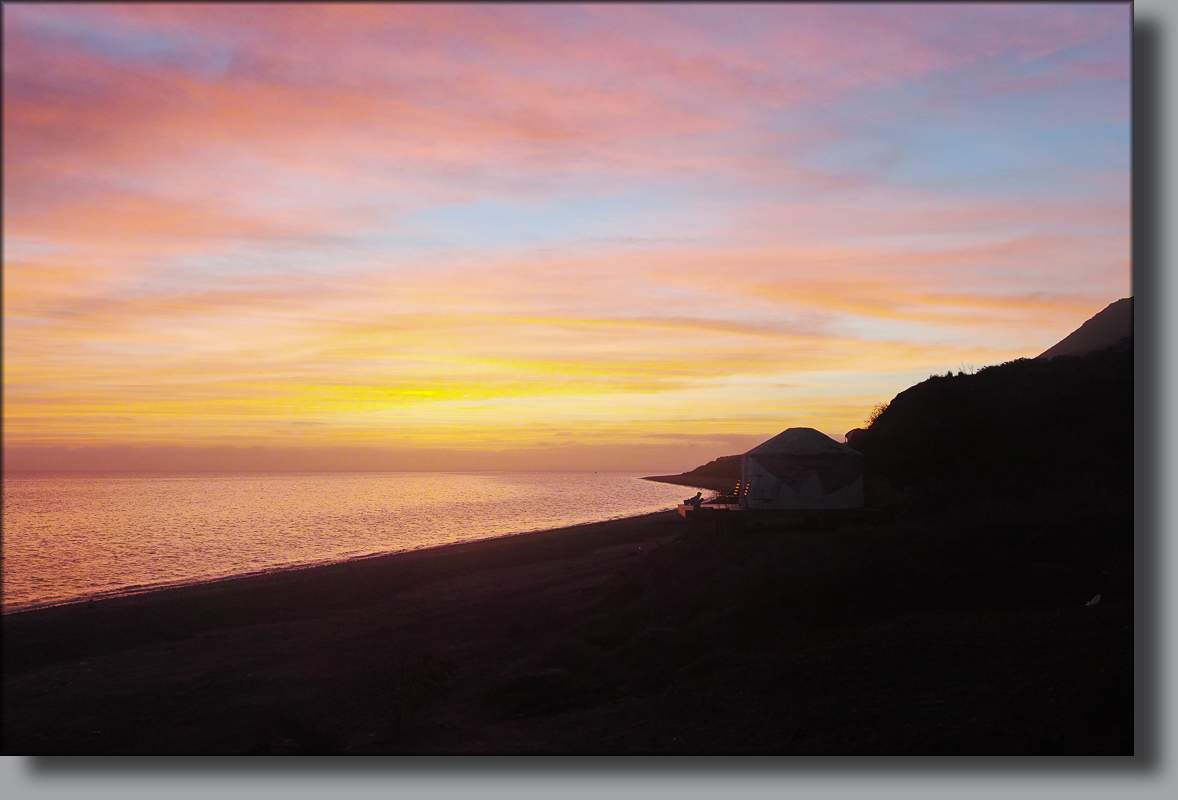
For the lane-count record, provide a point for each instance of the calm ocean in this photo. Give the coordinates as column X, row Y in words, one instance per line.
column 69, row 537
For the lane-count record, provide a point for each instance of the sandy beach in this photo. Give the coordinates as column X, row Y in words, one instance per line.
column 642, row 635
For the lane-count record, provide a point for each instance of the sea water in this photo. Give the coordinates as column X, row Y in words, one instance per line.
column 72, row 537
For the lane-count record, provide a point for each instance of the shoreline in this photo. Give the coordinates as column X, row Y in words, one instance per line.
column 120, row 594
column 139, row 590
column 641, row 635
column 351, row 582
column 222, row 667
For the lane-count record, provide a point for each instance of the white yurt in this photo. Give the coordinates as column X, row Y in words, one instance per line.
column 801, row 468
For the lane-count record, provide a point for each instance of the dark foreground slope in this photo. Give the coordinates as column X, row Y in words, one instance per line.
column 954, row 621
column 637, row 636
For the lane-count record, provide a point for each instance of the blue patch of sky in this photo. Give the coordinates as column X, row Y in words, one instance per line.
column 409, row 240
column 91, row 31
column 627, row 219
column 1003, row 156
column 965, row 126
column 1005, row 151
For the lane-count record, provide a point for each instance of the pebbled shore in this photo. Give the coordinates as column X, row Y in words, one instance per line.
column 641, row 635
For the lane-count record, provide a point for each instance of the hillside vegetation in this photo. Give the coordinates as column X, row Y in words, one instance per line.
column 1024, row 431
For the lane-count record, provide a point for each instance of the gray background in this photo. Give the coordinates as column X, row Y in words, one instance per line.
column 1152, row 773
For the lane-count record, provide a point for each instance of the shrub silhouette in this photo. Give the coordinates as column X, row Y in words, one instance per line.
column 1020, row 430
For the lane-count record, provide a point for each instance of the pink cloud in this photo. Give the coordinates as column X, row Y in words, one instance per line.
column 226, row 207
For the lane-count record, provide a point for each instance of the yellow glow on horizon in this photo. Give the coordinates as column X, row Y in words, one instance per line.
column 347, row 243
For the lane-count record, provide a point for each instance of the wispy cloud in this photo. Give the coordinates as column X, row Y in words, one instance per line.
column 473, row 226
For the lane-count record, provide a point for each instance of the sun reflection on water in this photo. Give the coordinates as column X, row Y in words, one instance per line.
column 72, row 537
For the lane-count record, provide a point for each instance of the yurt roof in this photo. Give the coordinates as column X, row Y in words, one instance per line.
column 802, row 441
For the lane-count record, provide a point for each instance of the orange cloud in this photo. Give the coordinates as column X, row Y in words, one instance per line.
column 470, row 226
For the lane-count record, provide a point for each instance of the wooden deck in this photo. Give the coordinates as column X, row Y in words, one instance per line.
column 688, row 512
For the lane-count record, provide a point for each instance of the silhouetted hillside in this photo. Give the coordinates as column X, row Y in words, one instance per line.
column 723, row 467
column 1104, row 330
column 1018, row 430
column 1036, row 431
column 720, row 475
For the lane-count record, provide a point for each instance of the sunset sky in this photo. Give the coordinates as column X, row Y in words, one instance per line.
column 538, row 236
